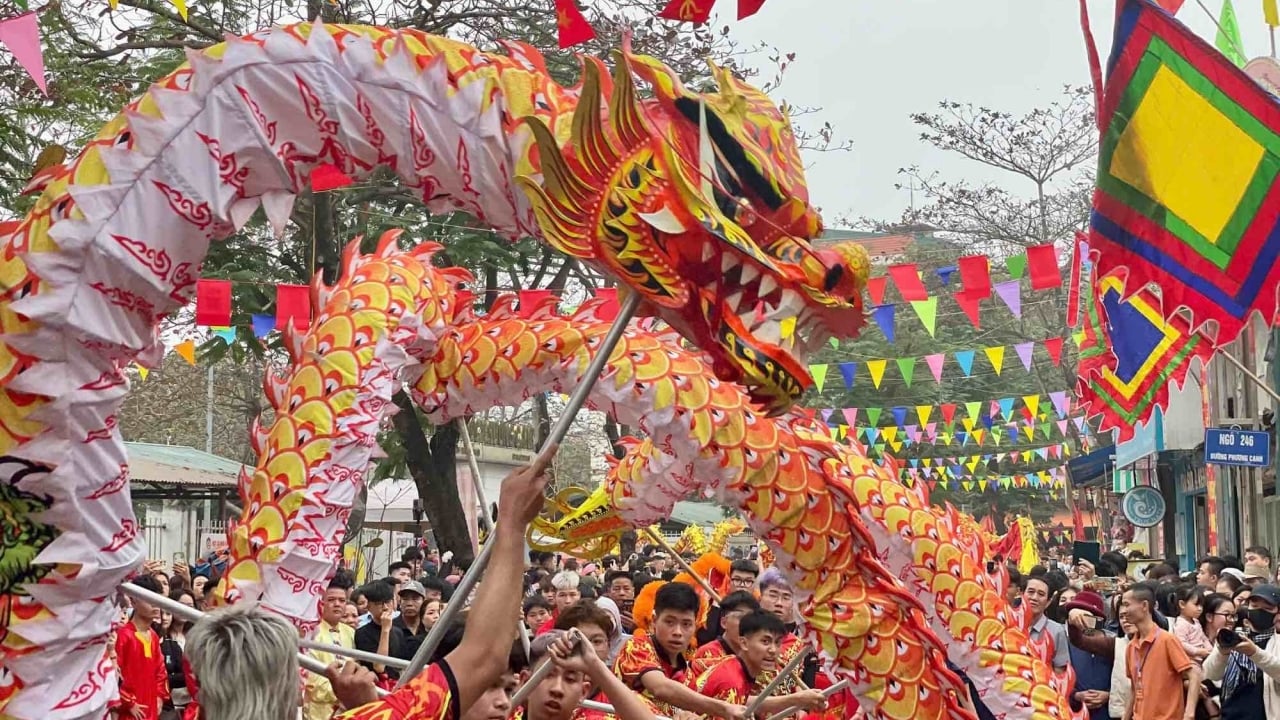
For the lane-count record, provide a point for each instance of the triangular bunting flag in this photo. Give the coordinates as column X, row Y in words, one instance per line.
column 883, row 315
column 1006, row 407
column 935, row 363
column 1017, row 265
column 899, row 416
column 1060, row 403
column 890, row 434
column 1032, row 402
column 848, row 371
column 907, row 366
column 1053, row 346
column 923, row 412
column 948, row 413
column 876, row 368
column 819, row 373
column 187, row 351
column 1025, row 351
column 142, row 372
column 974, row 409
column 1011, row 293
column 996, row 356
column 971, row 306
column 21, row 34
column 927, row 311
column 850, row 416
column 873, row 415
column 944, row 274
column 964, row 358
column 875, row 289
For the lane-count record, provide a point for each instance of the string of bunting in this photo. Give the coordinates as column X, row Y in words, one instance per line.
column 1031, row 405
column 936, row 362
column 905, row 436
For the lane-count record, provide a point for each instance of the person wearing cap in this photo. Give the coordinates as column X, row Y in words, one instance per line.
column 1256, row 574
column 412, row 629
column 1247, row 665
column 1087, row 613
column 658, row 564
column 576, row 668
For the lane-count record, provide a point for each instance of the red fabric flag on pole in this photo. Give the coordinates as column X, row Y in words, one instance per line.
column 975, row 275
column 694, row 11
column 572, row 24
column 213, row 303
column 1042, row 261
column 747, row 8
column 907, row 278
column 293, row 303
column 327, row 177
column 21, row 35
column 1073, row 290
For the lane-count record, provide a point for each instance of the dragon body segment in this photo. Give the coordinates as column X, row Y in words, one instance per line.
column 886, row 587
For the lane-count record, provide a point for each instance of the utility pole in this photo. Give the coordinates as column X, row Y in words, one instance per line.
column 208, row 411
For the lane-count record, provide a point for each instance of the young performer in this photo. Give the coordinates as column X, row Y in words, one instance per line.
column 144, row 683
column 732, row 608
column 734, row 679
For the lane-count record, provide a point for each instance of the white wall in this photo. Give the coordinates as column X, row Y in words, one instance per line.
column 1184, row 421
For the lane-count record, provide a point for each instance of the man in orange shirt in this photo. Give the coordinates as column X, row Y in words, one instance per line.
column 144, row 684
column 1158, row 667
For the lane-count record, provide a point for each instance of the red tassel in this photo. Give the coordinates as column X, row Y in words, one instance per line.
column 970, row 305
column 213, row 303
column 694, row 11
column 1053, row 346
column 530, row 300
column 747, row 8
column 975, row 275
column 572, row 25
column 907, row 278
column 609, row 310
column 327, row 177
column 293, row 303
column 1042, row 261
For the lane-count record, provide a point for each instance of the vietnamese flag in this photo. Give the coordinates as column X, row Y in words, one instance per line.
column 572, row 25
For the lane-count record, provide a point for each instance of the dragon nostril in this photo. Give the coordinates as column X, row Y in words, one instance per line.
column 834, row 275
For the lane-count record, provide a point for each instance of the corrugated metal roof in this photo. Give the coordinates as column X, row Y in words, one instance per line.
column 697, row 513
column 878, row 245
column 179, row 465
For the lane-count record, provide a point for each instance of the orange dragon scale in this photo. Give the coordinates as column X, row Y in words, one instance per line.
column 697, row 203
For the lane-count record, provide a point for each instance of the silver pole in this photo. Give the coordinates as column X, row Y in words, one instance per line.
column 189, row 613
column 769, row 689
column 474, row 465
column 558, row 432
column 825, row 693
column 540, row 674
column 354, row 654
column 208, row 411
column 606, row 708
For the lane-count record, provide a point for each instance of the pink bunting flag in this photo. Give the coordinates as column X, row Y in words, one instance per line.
column 935, row 365
column 1024, row 351
column 21, row 35
column 851, row 416
column 1010, row 292
column 1060, row 402
column 1062, row 427
column 931, row 431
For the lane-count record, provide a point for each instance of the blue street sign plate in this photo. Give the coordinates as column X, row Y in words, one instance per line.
column 1245, row 448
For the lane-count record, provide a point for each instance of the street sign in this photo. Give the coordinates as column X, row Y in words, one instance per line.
column 1229, row 446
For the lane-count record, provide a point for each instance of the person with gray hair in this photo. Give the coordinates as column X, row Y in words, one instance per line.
column 245, row 661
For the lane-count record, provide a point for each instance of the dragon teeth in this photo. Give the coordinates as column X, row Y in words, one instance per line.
column 749, row 273
column 726, row 263
column 767, row 285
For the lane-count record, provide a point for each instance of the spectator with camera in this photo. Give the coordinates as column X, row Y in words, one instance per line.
column 1247, row 662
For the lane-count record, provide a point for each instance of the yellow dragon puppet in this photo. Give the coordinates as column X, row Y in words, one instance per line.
column 717, row 247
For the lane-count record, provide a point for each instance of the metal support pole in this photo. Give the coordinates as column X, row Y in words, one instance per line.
column 558, row 432
column 189, row 613
column 1249, row 374
column 681, row 562
column 754, row 707
column 540, row 673
column 825, row 693
column 354, row 654
column 608, row 709
column 474, row 465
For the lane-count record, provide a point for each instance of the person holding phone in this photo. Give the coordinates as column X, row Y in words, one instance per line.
column 1247, row 662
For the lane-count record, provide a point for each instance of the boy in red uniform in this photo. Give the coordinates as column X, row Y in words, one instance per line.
column 144, row 684
column 734, row 679
column 655, row 663
column 575, row 671
column 732, row 608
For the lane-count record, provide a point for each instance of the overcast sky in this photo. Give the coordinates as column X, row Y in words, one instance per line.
column 870, row 63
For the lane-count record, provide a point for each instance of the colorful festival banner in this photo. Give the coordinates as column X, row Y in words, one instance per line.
column 1209, row 239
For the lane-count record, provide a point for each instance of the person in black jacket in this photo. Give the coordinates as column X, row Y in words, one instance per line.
column 172, row 648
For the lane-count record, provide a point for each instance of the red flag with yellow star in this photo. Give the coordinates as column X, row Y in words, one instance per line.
column 573, row 26
column 694, row 11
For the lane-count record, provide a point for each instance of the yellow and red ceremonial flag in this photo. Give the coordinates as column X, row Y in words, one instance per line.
column 1186, row 197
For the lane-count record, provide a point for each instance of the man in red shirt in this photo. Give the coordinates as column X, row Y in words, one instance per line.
column 732, row 608
column 576, row 671
column 655, row 663
column 734, row 679
column 144, row 684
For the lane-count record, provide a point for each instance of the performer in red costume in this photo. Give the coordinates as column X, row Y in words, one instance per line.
column 144, row 684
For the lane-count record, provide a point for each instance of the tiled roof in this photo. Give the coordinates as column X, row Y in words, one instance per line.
column 179, row 465
column 878, row 245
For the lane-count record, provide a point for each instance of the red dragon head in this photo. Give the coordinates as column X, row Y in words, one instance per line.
column 699, row 204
